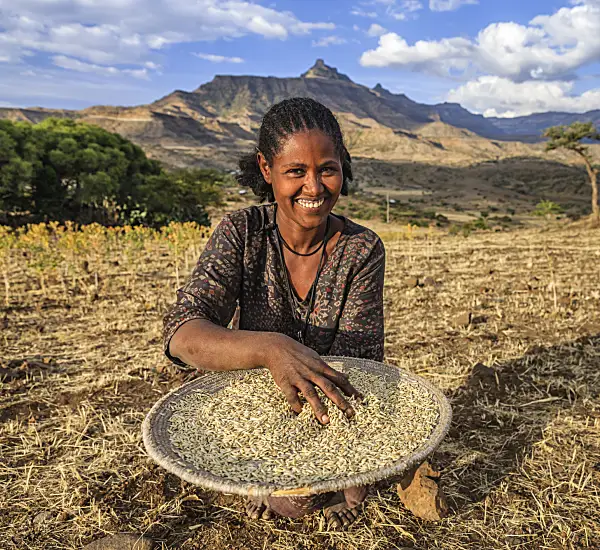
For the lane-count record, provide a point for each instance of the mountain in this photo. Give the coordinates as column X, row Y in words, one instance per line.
column 245, row 99
column 210, row 125
column 531, row 128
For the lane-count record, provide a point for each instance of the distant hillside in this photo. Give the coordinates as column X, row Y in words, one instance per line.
column 530, row 128
column 220, row 118
column 211, row 125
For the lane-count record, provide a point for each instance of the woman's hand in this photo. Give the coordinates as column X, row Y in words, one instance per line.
column 298, row 369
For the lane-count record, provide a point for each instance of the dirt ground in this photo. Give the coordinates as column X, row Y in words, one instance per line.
column 81, row 364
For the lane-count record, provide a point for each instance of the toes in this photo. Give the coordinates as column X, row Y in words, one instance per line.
column 351, row 515
column 340, row 520
column 345, row 521
column 254, row 510
column 334, row 522
column 348, row 518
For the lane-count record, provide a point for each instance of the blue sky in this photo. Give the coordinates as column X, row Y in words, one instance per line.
column 496, row 57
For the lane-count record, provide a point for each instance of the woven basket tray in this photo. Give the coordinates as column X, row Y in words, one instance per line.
column 160, row 448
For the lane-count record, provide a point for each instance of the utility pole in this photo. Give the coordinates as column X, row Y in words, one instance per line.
column 387, row 214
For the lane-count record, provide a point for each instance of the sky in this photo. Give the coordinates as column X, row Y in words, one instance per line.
column 495, row 57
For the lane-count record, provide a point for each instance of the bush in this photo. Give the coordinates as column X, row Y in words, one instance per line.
column 65, row 170
column 547, row 209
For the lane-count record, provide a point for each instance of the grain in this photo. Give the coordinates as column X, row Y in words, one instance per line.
column 247, row 432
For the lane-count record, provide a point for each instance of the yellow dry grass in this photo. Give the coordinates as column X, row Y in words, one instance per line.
column 82, row 364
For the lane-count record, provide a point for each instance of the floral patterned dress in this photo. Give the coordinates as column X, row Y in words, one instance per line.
column 241, row 266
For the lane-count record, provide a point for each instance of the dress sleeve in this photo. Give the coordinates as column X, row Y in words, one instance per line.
column 360, row 329
column 212, row 290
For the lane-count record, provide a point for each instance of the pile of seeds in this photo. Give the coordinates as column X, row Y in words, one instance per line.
column 247, row 433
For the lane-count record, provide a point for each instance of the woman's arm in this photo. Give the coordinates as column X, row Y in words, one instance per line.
column 360, row 329
column 204, row 345
column 295, row 368
column 195, row 332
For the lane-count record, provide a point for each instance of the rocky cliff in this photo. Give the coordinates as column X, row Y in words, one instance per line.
column 212, row 124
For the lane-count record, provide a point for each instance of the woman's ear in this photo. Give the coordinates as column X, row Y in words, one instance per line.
column 264, row 167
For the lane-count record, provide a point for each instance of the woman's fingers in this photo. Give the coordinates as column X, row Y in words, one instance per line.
column 338, row 378
column 310, row 394
column 291, row 394
column 332, row 391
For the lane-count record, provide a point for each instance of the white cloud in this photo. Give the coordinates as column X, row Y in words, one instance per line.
column 112, row 33
column 218, row 58
column 449, row 5
column 412, row 5
column 495, row 96
column 549, row 48
column 376, row 30
column 437, row 57
column 75, row 65
column 395, row 9
column 362, row 13
column 510, row 69
column 329, row 41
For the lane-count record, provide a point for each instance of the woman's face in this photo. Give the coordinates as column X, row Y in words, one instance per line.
column 306, row 177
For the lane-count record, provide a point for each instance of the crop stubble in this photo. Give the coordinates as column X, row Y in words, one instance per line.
column 519, row 463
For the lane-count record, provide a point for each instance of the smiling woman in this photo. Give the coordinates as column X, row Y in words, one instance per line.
column 308, row 283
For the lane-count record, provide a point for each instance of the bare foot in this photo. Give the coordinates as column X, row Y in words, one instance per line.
column 355, row 496
column 344, row 508
column 256, row 508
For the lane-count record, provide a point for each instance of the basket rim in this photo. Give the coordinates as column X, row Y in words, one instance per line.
column 186, row 471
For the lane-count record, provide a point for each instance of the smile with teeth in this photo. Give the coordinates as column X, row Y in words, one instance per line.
column 310, row 203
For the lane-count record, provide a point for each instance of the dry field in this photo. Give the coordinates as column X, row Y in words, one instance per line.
column 81, row 364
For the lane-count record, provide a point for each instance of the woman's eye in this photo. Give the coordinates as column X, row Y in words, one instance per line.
column 329, row 170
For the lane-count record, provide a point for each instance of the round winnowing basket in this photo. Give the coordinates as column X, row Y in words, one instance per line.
column 162, row 450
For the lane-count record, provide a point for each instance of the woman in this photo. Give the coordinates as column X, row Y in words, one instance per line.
column 307, row 282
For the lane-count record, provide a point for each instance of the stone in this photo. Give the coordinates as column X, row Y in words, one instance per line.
column 64, row 516
column 421, row 494
column 429, row 281
column 42, row 519
column 462, row 320
column 121, row 542
column 412, row 282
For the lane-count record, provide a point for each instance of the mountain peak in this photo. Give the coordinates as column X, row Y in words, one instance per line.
column 321, row 70
column 380, row 89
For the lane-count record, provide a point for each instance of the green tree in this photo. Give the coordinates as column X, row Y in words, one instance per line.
column 62, row 170
column 571, row 137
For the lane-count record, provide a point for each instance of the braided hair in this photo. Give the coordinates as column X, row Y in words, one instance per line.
column 298, row 114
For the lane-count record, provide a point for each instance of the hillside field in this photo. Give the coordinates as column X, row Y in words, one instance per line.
column 82, row 364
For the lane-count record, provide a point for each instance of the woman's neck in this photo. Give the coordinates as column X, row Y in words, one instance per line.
column 300, row 239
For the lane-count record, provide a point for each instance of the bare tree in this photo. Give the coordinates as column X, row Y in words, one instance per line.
column 570, row 137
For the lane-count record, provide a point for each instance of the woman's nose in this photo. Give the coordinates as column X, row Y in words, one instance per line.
column 312, row 183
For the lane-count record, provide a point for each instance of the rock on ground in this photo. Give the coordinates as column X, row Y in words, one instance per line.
column 121, row 542
column 420, row 493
